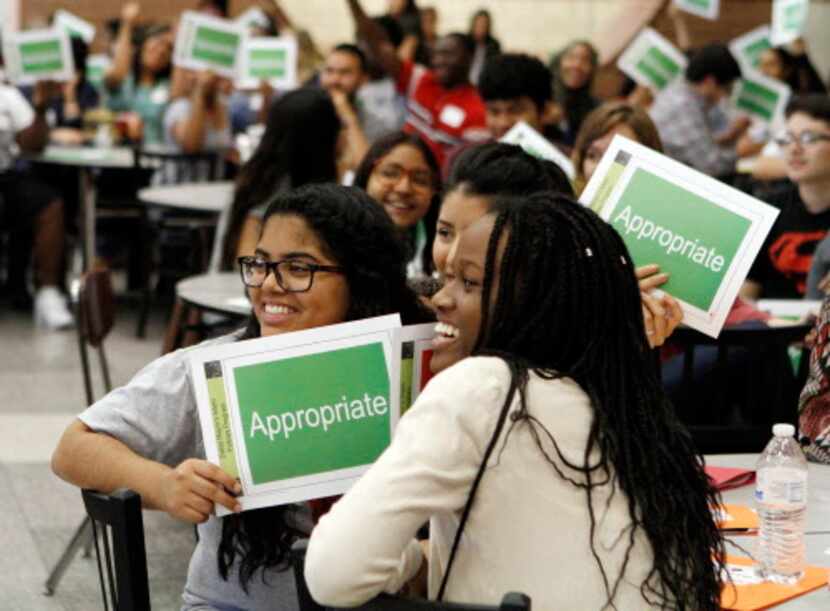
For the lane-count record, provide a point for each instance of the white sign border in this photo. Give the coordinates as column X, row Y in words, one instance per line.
column 14, row 63
column 524, row 132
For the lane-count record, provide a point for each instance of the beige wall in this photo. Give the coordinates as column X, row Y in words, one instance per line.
column 535, row 26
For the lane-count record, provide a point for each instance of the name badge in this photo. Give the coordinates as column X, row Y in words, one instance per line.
column 159, row 96
column 452, row 116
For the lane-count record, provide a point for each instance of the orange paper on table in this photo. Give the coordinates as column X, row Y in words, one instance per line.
column 748, row 595
column 736, row 517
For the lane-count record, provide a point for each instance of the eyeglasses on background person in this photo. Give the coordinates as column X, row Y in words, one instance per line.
column 292, row 276
column 805, row 138
column 392, row 172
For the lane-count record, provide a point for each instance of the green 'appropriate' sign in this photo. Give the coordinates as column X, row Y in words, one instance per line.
column 663, row 223
column 658, row 67
column 314, row 414
column 267, row 63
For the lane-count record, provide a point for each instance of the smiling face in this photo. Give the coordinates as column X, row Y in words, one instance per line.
column 576, row 67
column 458, row 303
column 325, row 303
column 458, row 211
column 811, row 162
column 770, row 64
column 597, row 148
column 403, row 183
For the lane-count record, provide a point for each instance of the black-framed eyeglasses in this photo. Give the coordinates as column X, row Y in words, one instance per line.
column 392, row 173
column 804, row 138
column 292, row 276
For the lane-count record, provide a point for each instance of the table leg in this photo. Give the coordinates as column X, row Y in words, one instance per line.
column 88, row 195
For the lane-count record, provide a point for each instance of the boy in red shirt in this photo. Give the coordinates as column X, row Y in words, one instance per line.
column 443, row 107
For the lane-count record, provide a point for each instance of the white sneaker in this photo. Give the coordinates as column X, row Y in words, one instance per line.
column 50, row 309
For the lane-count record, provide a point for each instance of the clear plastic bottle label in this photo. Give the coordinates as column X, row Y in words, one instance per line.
column 781, row 485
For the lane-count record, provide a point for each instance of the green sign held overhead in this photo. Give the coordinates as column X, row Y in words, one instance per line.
column 209, row 43
column 748, row 47
column 709, row 9
column 295, row 426
column 269, row 59
column 789, row 18
column 760, row 96
column 37, row 55
column 652, row 61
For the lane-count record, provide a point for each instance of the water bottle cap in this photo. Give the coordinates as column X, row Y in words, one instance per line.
column 783, row 430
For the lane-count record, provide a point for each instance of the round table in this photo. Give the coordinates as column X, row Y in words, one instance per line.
column 818, row 522
column 194, row 196
column 222, row 293
column 219, row 293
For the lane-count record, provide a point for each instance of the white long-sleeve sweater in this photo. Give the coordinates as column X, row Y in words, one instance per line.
column 529, row 528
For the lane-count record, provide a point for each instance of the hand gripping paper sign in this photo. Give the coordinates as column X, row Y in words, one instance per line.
column 209, row 43
column 653, row 61
column 268, row 59
column 748, row 47
column 708, row 9
column 301, row 415
column 535, row 144
column 704, row 234
column 789, row 18
column 38, row 55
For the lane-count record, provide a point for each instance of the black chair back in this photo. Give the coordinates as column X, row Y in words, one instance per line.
column 512, row 601
column 123, row 568
column 731, row 390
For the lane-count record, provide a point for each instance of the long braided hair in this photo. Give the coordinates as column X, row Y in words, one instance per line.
column 359, row 236
column 568, row 305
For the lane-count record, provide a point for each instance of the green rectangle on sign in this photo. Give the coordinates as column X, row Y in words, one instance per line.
column 314, row 414
column 215, row 47
column 664, row 61
column 690, row 237
column 41, row 57
column 754, row 89
column 701, row 3
column 653, row 75
column 267, row 63
column 794, row 16
column 753, row 51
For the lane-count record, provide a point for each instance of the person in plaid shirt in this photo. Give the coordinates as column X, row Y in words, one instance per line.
column 683, row 113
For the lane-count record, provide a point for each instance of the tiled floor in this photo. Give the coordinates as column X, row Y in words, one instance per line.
column 41, row 390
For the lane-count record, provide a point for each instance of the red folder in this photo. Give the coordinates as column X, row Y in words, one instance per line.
column 726, row 478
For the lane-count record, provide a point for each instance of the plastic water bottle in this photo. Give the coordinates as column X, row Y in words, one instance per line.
column 781, row 497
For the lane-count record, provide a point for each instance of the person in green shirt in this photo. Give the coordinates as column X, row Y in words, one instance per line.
column 138, row 81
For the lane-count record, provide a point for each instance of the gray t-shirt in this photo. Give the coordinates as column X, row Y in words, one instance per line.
column 215, row 140
column 156, row 416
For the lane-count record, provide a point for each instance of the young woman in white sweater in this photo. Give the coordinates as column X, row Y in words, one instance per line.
column 550, row 462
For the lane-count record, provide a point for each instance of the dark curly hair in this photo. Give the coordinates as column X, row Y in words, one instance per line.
column 568, row 305
column 382, row 147
column 358, row 235
column 505, row 169
column 513, row 75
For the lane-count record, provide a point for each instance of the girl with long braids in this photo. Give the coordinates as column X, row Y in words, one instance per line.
column 338, row 260
column 549, row 462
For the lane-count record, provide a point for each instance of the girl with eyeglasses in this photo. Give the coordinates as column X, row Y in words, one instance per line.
column 326, row 254
column 401, row 174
